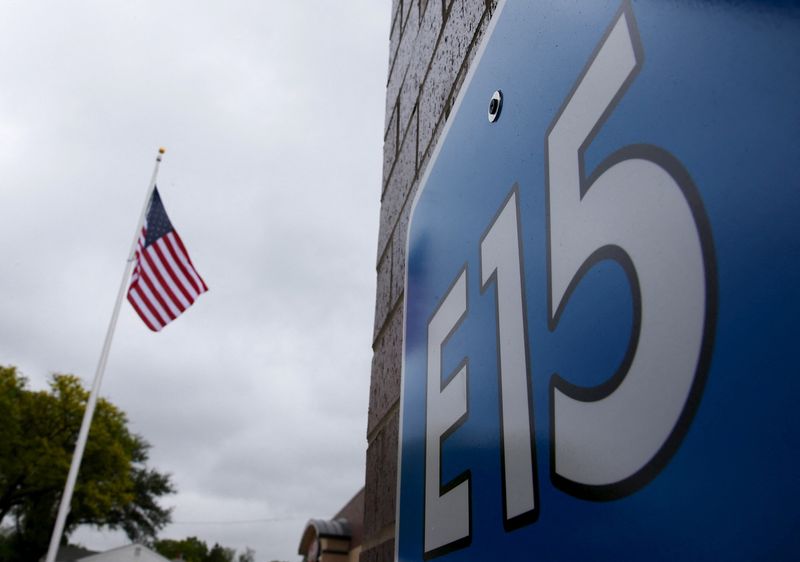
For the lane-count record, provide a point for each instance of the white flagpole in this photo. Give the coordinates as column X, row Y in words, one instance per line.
column 77, row 456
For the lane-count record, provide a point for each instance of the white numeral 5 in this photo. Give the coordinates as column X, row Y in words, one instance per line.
column 640, row 209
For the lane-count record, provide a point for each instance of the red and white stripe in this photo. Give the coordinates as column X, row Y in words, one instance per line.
column 164, row 283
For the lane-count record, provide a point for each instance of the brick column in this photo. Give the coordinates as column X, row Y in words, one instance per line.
column 432, row 43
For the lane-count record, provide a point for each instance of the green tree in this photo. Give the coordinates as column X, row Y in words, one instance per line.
column 38, row 431
column 221, row 554
column 190, row 549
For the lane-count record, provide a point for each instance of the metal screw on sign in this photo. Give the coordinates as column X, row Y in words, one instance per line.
column 495, row 106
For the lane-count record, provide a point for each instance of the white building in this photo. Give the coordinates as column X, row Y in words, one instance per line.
column 130, row 553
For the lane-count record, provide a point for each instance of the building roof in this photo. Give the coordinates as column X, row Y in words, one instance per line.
column 353, row 511
column 124, row 553
column 323, row 528
column 348, row 525
column 70, row 553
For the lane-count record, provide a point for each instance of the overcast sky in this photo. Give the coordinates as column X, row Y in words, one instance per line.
column 255, row 400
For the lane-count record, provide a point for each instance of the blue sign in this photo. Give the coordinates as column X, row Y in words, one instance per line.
column 603, row 291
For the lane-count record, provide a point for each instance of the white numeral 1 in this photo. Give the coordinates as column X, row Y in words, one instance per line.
column 501, row 261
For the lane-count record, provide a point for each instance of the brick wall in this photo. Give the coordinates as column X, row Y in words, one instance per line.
column 432, row 43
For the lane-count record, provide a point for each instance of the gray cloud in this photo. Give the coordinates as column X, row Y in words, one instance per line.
column 272, row 114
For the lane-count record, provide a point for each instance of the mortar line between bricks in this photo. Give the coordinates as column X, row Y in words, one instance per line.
column 404, row 25
column 392, row 311
column 400, row 295
column 412, row 189
column 384, row 421
column 400, row 142
column 380, row 544
column 400, row 31
column 443, row 117
column 417, row 100
column 385, row 534
column 456, row 87
column 395, row 116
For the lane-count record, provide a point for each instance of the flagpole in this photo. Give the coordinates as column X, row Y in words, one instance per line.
column 77, row 456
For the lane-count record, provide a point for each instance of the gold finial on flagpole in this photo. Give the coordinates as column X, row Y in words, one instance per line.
column 162, row 150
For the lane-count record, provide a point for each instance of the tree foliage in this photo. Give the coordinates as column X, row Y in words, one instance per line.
column 192, row 549
column 38, row 432
column 219, row 553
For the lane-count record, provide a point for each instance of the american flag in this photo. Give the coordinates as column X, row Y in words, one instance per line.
column 164, row 282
